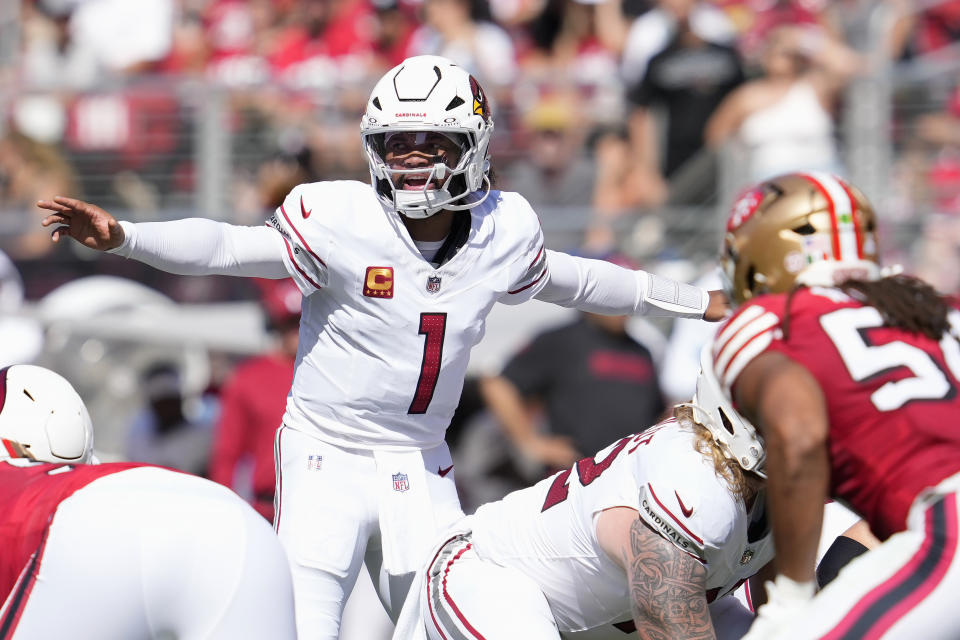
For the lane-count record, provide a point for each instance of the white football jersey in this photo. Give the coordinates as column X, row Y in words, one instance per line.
column 548, row 531
column 387, row 335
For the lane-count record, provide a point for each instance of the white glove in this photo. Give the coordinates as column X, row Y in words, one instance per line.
column 786, row 600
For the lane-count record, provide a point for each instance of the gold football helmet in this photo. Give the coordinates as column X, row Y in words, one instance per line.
column 799, row 228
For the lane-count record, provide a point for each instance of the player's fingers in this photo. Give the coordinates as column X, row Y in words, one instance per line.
column 56, row 233
column 54, row 219
column 76, row 205
column 53, row 206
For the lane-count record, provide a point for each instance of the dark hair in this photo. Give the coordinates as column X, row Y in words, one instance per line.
column 905, row 302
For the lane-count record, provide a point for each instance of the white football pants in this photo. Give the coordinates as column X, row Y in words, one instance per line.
column 905, row 588
column 466, row 598
column 338, row 508
column 153, row 553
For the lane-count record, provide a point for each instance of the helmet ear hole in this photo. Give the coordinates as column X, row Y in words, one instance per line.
column 725, row 420
column 736, row 437
column 806, row 229
column 42, row 417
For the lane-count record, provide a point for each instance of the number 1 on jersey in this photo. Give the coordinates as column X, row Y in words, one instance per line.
column 433, row 326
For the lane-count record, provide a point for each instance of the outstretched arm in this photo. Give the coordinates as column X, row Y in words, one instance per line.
column 602, row 287
column 195, row 246
column 667, row 586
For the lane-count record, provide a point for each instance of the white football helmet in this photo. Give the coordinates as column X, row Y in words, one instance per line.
column 737, row 438
column 42, row 417
column 429, row 94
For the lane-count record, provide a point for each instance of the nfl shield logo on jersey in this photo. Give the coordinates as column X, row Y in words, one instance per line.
column 400, row 482
column 433, row 284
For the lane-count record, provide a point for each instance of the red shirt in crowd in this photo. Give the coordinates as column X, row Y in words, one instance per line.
column 252, row 404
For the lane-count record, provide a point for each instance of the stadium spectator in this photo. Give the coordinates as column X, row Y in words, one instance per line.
column 687, row 79
column 937, row 139
column 75, row 44
column 784, row 120
column 171, row 430
column 323, row 44
column 571, row 42
column 850, row 377
column 481, row 47
column 28, row 167
column 592, row 381
column 252, row 401
column 937, row 29
column 190, row 49
column 653, row 30
column 122, row 550
column 553, row 171
column 394, row 27
column 651, row 535
column 397, row 287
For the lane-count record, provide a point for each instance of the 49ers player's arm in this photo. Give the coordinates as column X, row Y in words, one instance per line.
column 602, row 287
column 194, row 246
column 667, row 586
column 784, row 400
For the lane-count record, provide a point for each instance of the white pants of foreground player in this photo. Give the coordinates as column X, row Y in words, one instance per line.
column 905, row 588
column 466, row 598
column 151, row 553
column 339, row 508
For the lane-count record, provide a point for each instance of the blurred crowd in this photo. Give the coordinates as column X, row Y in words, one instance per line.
column 608, row 110
column 612, row 116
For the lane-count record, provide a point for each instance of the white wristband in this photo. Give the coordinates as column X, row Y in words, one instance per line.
column 674, row 298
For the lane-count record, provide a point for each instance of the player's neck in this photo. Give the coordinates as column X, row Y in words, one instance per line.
column 432, row 229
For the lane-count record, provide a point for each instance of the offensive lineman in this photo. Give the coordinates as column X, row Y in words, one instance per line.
column 123, row 550
column 852, row 379
column 398, row 277
column 652, row 534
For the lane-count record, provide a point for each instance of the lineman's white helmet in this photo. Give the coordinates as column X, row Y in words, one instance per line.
column 429, row 94
column 734, row 434
column 42, row 417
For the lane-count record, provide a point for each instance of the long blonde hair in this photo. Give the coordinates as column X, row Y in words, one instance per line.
column 741, row 483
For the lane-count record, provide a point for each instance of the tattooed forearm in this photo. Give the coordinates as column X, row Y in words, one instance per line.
column 667, row 589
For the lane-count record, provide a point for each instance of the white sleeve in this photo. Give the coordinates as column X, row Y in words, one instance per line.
column 602, row 287
column 197, row 246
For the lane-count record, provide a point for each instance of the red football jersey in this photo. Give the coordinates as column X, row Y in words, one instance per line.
column 891, row 395
column 29, row 497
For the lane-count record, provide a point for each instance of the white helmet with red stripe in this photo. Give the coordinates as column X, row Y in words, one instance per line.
column 42, row 417
column 800, row 228
column 429, row 96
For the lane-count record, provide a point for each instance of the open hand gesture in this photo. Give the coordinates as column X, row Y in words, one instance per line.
column 86, row 223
